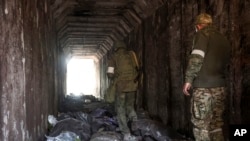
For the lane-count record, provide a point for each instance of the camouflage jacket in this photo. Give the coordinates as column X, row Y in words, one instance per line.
column 125, row 71
column 209, row 58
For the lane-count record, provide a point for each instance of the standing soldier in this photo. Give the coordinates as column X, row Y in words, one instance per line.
column 123, row 69
column 206, row 74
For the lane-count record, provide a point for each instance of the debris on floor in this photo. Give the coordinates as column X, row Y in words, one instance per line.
column 90, row 119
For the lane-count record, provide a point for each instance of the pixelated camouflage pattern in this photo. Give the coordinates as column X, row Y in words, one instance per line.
column 217, row 53
column 125, row 69
column 125, row 86
column 124, row 106
column 194, row 66
column 208, row 105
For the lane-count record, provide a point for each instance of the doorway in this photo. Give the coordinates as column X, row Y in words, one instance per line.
column 82, row 77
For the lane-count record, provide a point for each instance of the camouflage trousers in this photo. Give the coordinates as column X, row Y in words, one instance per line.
column 207, row 107
column 124, row 106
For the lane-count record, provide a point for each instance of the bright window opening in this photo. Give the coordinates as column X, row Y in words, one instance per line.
column 81, row 77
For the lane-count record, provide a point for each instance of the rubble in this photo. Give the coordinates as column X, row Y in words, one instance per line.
column 95, row 120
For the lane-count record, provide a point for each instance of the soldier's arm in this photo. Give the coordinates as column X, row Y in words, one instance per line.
column 197, row 56
column 194, row 66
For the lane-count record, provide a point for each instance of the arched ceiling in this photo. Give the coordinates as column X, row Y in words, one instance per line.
column 89, row 27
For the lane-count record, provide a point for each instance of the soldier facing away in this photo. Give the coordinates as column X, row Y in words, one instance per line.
column 206, row 74
column 122, row 68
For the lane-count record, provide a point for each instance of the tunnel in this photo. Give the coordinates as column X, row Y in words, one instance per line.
column 40, row 37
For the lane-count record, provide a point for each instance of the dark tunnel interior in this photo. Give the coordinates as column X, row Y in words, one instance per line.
column 40, row 38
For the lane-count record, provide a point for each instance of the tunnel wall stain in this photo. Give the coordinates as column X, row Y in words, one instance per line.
column 27, row 68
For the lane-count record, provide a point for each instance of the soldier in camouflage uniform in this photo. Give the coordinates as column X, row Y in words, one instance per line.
column 206, row 74
column 124, row 71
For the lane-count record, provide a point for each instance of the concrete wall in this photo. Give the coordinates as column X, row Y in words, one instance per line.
column 28, row 56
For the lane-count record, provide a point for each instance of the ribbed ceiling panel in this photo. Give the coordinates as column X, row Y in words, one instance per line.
column 89, row 27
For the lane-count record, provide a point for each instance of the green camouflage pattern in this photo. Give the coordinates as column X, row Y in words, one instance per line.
column 110, row 92
column 125, row 69
column 208, row 71
column 194, row 66
column 207, row 107
column 125, row 74
column 124, row 106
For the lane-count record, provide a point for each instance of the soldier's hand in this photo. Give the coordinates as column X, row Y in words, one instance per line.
column 186, row 88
